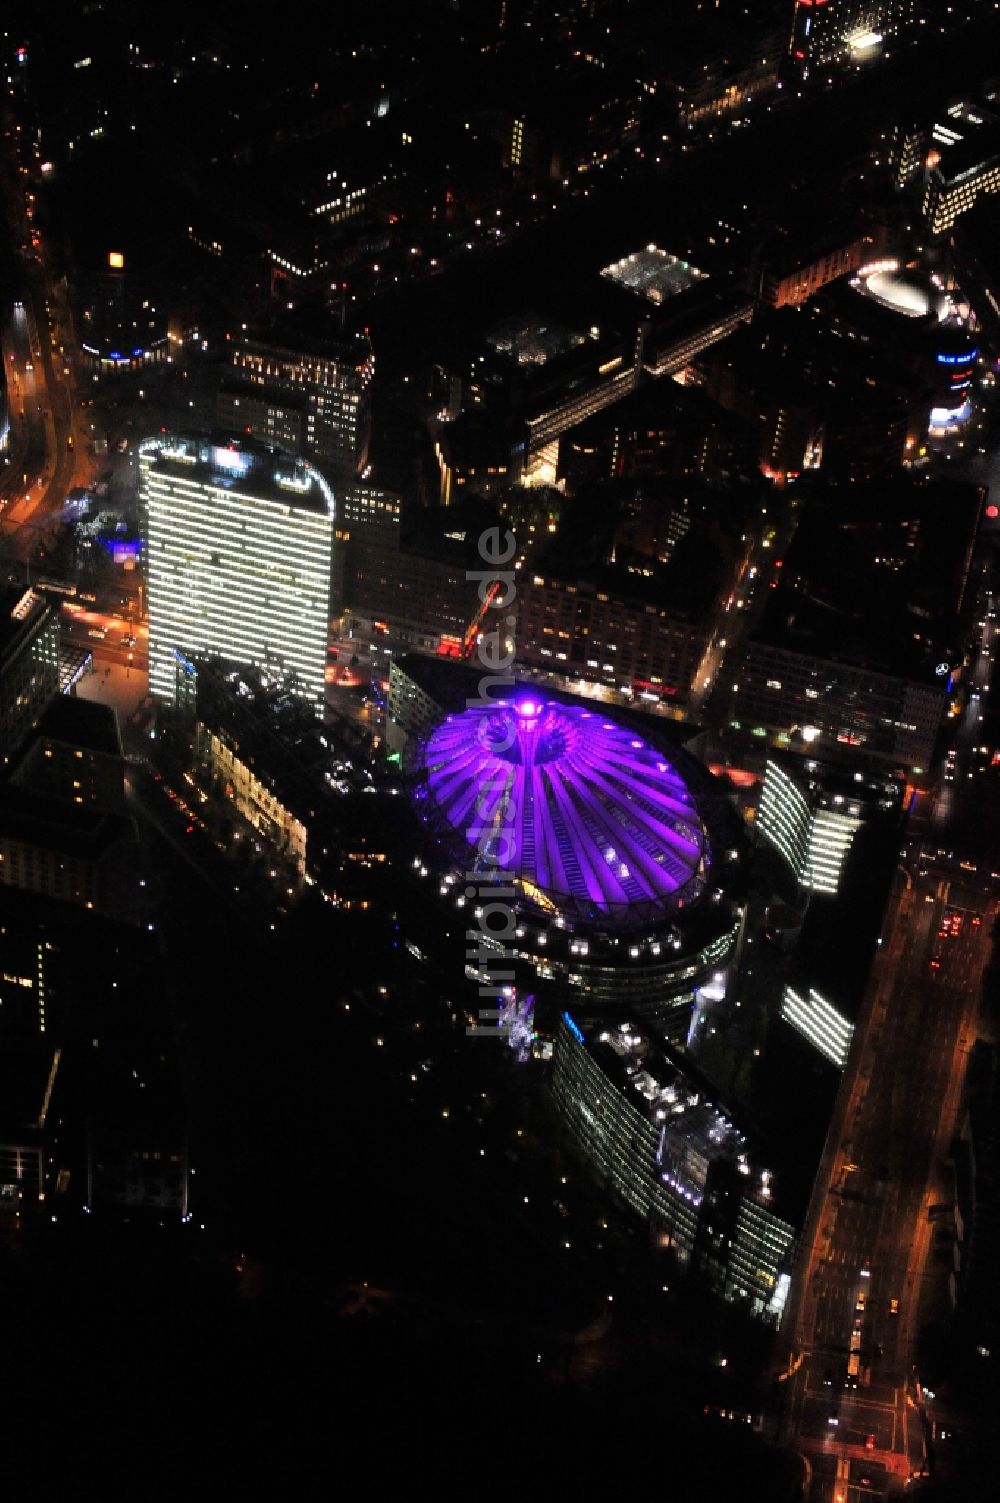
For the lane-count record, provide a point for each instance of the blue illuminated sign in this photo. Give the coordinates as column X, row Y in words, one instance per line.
column 956, row 359
column 185, row 663
column 573, row 1028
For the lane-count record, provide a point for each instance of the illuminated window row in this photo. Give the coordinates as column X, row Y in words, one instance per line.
column 243, row 576
column 819, row 1022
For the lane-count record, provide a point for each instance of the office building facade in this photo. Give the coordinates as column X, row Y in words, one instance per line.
column 239, row 548
column 954, row 181
column 818, row 1021
column 312, row 396
column 812, row 831
column 29, row 666
column 671, row 1154
column 76, row 755
column 630, row 645
column 814, row 704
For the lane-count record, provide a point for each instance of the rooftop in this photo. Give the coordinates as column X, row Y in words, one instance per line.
column 696, row 1129
column 82, row 722
column 450, row 534
column 296, row 334
column 20, row 612
column 54, row 825
column 653, row 274
column 966, row 143
column 532, row 341
column 880, row 569
column 603, row 827
column 668, row 1092
column 276, row 734
column 239, row 462
column 581, row 555
column 911, row 294
column 797, row 622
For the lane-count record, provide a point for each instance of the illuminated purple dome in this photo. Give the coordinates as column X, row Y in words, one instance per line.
column 588, row 819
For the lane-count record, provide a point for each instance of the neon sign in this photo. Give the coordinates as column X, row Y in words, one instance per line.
column 573, row 1028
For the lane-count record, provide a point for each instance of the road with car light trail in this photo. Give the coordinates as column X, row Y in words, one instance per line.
column 850, row 1404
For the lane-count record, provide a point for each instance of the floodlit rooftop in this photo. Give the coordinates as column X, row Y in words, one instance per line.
column 680, row 1108
column 654, row 274
column 244, row 463
column 865, row 41
column 912, row 295
column 530, row 341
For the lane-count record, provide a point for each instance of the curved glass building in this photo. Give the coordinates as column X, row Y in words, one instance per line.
column 614, row 854
column 587, row 817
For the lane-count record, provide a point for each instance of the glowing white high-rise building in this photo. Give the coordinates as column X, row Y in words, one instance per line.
column 239, row 543
column 811, row 830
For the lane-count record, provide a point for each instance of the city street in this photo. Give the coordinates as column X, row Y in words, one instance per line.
column 113, row 637
column 46, row 456
column 734, row 618
column 959, row 794
column 852, row 1407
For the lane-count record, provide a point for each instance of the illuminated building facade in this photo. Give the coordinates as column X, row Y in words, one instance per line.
column 309, row 395
column 836, row 832
column 26, row 979
column 585, row 381
column 239, row 544
column 934, row 331
column 955, row 357
column 713, row 90
column 800, row 278
column 567, row 126
column 412, row 587
column 671, row 347
column 962, row 163
column 29, row 665
column 418, row 699
column 626, row 644
column 828, row 704
column 669, row 432
column 265, row 753
column 367, row 533
column 819, row 1021
column 813, row 831
column 260, row 805
column 502, row 414
column 475, row 456
column 836, row 31
column 665, row 1149
column 283, row 773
